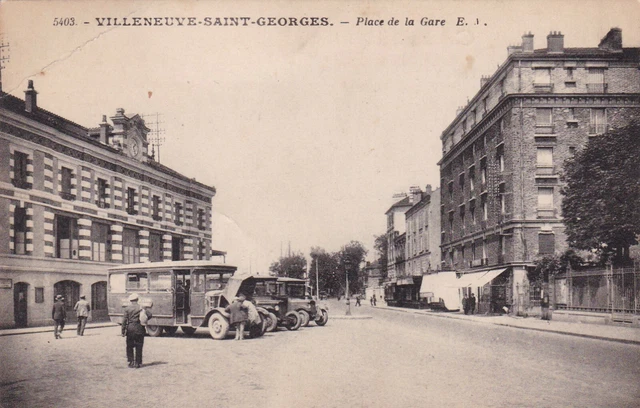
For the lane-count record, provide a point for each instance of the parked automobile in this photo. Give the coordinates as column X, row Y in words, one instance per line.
column 300, row 299
column 323, row 295
column 263, row 291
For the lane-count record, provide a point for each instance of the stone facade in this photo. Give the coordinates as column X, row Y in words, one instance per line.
column 503, row 154
column 76, row 201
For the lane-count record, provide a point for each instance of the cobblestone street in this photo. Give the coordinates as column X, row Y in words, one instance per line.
column 394, row 359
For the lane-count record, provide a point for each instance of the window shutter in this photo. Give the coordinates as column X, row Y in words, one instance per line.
column 546, row 244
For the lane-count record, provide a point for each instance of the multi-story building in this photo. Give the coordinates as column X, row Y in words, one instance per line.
column 503, row 155
column 77, row 200
column 414, row 250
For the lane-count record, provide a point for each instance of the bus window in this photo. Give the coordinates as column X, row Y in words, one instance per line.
column 198, row 281
column 116, row 283
column 215, row 281
column 137, row 281
column 296, row 291
column 160, row 281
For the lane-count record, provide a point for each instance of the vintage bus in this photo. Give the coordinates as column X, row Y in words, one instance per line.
column 185, row 294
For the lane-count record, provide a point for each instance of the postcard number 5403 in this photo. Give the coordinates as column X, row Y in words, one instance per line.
column 65, row 21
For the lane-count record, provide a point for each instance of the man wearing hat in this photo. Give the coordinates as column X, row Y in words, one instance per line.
column 59, row 315
column 82, row 309
column 134, row 330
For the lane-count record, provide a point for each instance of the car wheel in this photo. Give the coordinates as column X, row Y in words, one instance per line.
column 304, row 315
column 218, row 327
column 272, row 322
column 323, row 318
column 293, row 321
column 170, row 330
column 188, row 330
column 154, row 331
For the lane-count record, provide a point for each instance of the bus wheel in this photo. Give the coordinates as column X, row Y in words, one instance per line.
column 170, row 330
column 218, row 327
column 293, row 321
column 305, row 318
column 188, row 330
column 154, row 331
column 272, row 322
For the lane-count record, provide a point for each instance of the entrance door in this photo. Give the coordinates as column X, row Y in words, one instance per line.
column 182, row 287
column 71, row 292
column 20, row 303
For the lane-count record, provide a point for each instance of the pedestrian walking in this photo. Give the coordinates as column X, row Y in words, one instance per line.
column 374, row 300
column 59, row 315
column 134, row 331
column 358, row 300
column 82, row 309
column 472, row 303
column 238, row 315
column 465, row 304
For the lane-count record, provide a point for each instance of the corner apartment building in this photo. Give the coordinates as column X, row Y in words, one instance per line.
column 416, row 249
column 78, row 200
column 504, row 152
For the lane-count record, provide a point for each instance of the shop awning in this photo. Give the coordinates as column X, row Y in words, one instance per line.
column 439, row 287
column 478, row 279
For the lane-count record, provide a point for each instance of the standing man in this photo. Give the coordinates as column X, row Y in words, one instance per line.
column 472, row 303
column 59, row 315
column 374, row 299
column 238, row 315
column 134, row 331
column 82, row 309
column 358, row 300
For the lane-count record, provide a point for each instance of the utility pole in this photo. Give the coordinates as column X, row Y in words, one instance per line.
column 317, row 280
column 346, row 275
column 155, row 138
column 4, row 57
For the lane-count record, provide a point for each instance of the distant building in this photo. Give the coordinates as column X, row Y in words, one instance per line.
column 503, row 155
column 77, row 200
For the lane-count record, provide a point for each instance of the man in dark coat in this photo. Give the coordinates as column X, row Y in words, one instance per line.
column 134, row 330
column 472, row 303
column 238, row 315
column 59, row 315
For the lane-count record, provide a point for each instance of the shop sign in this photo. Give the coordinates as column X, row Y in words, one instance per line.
column 6, row 283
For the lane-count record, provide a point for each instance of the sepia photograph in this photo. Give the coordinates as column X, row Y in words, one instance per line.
column 305, row 204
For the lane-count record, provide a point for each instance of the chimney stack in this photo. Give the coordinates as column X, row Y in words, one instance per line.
column 555, row 42
column 30, row 98
column 512, row 49
column 527, row 42
column 104, row 129
column 612, row 41
column 428, row 190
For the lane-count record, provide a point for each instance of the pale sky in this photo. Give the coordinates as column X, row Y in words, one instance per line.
column 306, row 132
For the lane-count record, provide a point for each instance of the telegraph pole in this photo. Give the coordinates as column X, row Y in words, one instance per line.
column 317, row 280
column 4, row 57
column 346, row 275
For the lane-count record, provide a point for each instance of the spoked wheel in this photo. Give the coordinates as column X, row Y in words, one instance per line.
column 170, row 330
column 272, row 322
column 293, row 321
column 188, row 330
column 218, row 327
column 154, row 331
column 323, row 318
column 304, row 316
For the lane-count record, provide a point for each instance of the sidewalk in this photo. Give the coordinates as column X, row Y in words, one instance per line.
column 69, row 329
column 629, row 335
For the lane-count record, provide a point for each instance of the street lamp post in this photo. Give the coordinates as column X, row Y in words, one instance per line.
column 346, row 275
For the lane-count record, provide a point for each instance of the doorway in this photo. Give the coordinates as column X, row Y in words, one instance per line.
column 20, row 291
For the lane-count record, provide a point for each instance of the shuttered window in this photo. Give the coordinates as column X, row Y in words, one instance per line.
column 546, row 244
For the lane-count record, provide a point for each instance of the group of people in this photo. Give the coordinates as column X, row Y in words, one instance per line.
column 59, row 315
column 373, row 300
column 469, row 304
column 242, row 312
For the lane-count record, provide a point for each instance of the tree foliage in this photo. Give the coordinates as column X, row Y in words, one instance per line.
column 327, row 266
column 602, row 193
column 332, row 267
column 292, row 266
column 351, row 256
column 548, row 266
column 381, row 245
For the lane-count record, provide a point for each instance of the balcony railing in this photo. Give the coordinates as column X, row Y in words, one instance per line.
column 597, row 88
column 67, row 196
column 598, row 129
column 546, row 213
column 132, row 211
column 545, row 170
column 545, row 129
column 102, row 204
column 543, row 88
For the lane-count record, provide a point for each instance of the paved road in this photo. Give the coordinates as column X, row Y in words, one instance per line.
column 392, row 360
